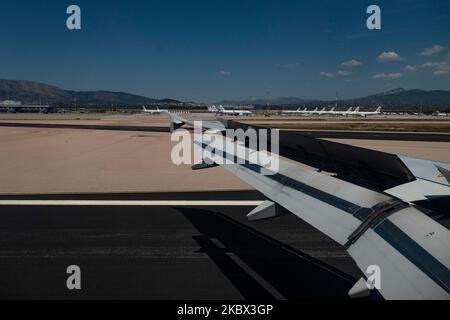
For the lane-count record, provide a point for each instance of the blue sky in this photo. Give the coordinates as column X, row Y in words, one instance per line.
column 212, row 50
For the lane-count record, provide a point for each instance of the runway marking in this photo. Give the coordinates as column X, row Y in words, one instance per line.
column 177, row 203
column 266, row 285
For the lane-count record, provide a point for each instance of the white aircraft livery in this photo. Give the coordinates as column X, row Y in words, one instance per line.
column 234, row 112
column 153, row 111
column 367, row 113
column 332, row 112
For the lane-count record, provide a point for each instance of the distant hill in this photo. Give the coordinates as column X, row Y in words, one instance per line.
column 28, row 91
column 35, row 92
column 277, row 101
column 393, row 98
column 406, row 98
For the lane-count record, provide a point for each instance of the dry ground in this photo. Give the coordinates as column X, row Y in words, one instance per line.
column 44, row 160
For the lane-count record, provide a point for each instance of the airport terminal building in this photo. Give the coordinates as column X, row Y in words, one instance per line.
column 12, row 106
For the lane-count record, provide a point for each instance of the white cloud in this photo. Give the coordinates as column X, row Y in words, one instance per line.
column 343, row 73
column 351, row 63
column 441, row 72
column 430, row 64
column 224, row 73
column 387, row 76
column 340, row 73
column 410, row 68
column 440, row 68
column 288, row 65
column 430, row 51
column 389, row 56
column 443, row 68
column 327, row 74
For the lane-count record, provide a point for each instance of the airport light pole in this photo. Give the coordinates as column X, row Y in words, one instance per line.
column 336, row 104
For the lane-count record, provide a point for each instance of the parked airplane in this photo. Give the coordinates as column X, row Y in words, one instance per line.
column 213, row 108
column 317, row 112
column 367, row 113
column 234, row 112
column 153, row 111
column 333, row 112
column 440, row 114
column 382, row 228
column 312, row 112
column 349, row 112
column 294, row 112
column 320, row 112
column 344, row 113
column 307, row 112
column 326, row 112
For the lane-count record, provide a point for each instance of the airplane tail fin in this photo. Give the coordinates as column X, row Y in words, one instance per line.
column 378, row 110
column 144, row 108
column 357, row 109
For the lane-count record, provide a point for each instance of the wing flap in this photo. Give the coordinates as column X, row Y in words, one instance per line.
column 328, row 204
column 410, row 249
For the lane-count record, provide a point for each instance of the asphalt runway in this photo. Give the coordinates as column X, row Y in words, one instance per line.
column 85, row 126
column 324, row 134
column 361, row 135
column 165, row 252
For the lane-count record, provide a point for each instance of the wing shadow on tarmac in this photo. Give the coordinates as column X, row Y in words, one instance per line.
column 286, row 272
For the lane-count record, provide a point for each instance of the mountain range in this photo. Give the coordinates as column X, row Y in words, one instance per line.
column 399, row 97
column 35, row 92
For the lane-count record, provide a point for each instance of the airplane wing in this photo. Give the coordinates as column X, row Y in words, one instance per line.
column 410, row 249
column 432, row 181
column 419, row 181
column 177, row 122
